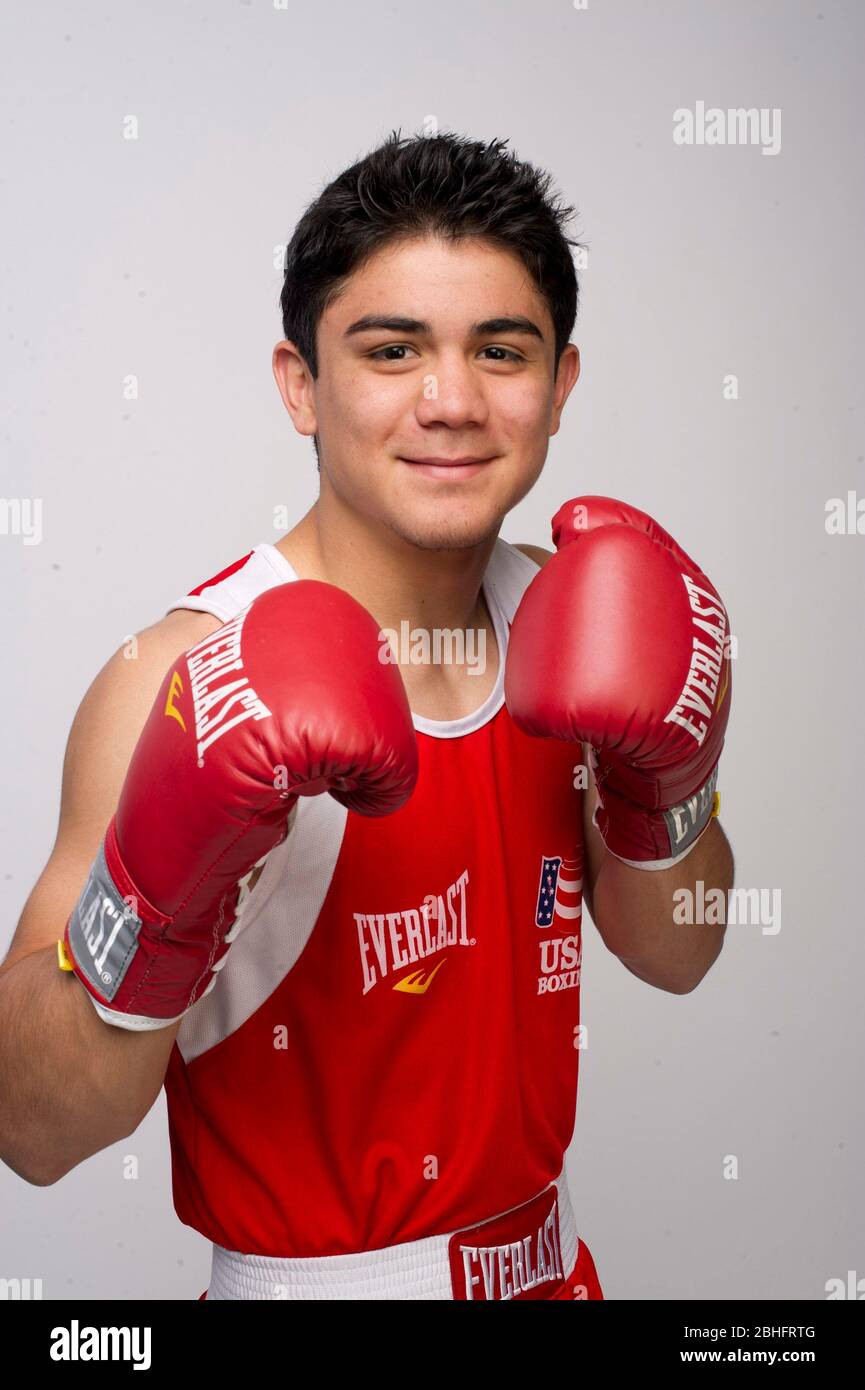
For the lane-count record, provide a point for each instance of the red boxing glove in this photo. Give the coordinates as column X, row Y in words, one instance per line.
column 288, row 699
column 620, row 641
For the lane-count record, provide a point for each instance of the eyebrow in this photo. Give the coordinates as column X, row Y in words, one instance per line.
column 397, row 323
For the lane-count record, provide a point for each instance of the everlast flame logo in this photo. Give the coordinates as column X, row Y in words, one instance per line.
column 704, row 689
column 419, row 982
column 175, row 689
column 561, row 957
column 389, row 941
column 214, row 697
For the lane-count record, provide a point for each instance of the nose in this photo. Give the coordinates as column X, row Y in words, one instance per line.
column 452, row 394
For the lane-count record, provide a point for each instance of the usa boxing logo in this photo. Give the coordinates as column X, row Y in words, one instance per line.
column 559, row 892
column 559, row 903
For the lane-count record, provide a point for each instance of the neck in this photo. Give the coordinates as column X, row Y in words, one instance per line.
column 394, row 580
column 407, row 590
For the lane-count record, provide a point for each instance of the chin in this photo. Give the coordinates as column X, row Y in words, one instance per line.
column 455, row 532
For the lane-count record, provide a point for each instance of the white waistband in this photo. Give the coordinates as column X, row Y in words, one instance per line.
column 417, row 1269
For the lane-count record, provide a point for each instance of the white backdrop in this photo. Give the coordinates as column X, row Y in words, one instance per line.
column 156, row 258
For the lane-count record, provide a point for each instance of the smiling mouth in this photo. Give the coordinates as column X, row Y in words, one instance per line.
column 448, row 468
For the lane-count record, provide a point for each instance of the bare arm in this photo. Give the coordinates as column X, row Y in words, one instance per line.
column 633, row 909
column 70, row 1084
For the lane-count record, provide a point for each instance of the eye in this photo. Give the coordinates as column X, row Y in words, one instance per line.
column 391, row 347
column 514, row 356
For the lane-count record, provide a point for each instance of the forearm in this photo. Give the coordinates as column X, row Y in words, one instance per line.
column 70, row 1084
column 654, row 933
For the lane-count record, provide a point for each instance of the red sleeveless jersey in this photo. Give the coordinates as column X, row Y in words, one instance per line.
column 391, row 1049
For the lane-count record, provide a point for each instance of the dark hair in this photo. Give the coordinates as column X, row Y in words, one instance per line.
column 445, row 185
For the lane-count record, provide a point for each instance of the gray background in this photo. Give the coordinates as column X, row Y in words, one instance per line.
column 156, row 257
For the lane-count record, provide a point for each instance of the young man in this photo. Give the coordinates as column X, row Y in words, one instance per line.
column 329, row 894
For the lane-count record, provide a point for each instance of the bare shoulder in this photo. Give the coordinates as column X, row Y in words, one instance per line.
column 133, row 673
column 112, row 714
column 180, row 624
column 536, row 553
